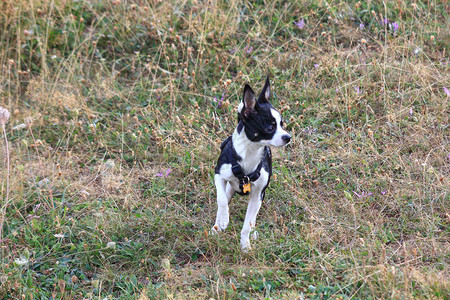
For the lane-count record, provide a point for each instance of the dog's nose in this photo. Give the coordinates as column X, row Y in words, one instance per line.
column 286, row 138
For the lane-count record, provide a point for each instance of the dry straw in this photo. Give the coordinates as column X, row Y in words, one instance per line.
column 4, row 117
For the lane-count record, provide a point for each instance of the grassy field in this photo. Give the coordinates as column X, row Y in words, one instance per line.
column 118, row 109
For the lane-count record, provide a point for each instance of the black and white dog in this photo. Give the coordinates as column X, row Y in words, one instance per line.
column 245, row 163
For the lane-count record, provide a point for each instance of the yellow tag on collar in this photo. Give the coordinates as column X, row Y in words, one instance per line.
column 246, row 188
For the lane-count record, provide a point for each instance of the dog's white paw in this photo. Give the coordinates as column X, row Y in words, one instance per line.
column 215, row 230
column 245, row 245
column 222, row 221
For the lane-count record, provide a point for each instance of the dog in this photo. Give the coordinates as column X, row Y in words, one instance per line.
column 245, row 162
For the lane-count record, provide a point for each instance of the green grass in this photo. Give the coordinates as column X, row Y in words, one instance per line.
column 114, row 93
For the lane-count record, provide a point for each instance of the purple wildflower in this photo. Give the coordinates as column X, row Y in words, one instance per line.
column 384, row 22
column 361, row 26
column 309, row 130
column 446, row 91
column 410, row 111
column 316, row 66
column 363, row 194
column 249, row 49
column 300, row 24
column 221, row 99
column 167, row 172
column 383, row 192
column 394, row 27
column 358, row 91
column 363, row 62
column 219, row 102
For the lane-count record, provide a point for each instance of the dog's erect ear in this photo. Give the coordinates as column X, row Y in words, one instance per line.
column 248, row 100
column 265, row 93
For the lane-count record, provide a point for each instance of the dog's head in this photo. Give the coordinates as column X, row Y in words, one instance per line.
column 260, row 120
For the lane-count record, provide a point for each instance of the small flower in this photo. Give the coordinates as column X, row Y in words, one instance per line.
column 309, row 130
column 248, row 49
column 21, row 261
column 361, row 26
column 383, row 192
column 44, row 182
column 363, row 194
column 447, row 92
column 316, row 66
column 358, row 91
column 165, row 264
column 410, row 111
column 111, row 245
column 29, row 121
column 109, row 164
column 300, row 24
column 394, row 27
column 4, row 115
column 28, row 32
column 384, row 22
column 167, row 172
column 58, row 235
column 219, row 102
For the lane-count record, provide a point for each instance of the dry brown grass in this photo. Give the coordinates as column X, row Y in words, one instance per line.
column 115, row 93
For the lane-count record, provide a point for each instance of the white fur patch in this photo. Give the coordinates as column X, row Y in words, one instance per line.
column 277, row 139
column 250, row 152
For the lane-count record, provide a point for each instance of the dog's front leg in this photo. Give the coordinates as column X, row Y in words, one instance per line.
column 250, row 219
column 224, row 194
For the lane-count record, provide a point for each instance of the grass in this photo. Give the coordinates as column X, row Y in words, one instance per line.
column 111, row 175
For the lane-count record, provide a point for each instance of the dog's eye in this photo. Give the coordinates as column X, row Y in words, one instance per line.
column 270, row 129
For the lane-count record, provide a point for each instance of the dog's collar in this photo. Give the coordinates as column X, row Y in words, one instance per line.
column 237, row 169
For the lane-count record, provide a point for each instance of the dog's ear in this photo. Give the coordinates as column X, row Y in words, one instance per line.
column 265, row 93
column 248, row 100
